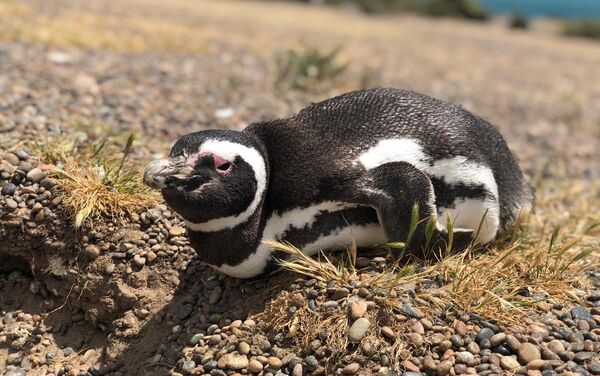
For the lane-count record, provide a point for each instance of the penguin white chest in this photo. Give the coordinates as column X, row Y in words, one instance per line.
column 279, row 225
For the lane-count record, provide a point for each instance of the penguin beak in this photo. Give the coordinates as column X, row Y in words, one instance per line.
column 167, row 173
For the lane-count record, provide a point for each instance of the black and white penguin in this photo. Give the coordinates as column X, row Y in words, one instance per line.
column 348, row 168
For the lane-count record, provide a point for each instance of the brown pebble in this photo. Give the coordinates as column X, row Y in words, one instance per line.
column 358, row 309
column 244, row 348
column 274, row 362
column 528, row 352
column 255, row 366
column 351, row 369
column 388, row 332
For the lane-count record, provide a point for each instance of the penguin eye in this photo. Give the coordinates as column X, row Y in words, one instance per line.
column 224, row 167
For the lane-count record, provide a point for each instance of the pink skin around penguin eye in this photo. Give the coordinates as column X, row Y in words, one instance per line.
column 221, row 164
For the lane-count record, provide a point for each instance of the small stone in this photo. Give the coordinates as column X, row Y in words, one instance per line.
column 536, row 364
column 329, row 304
column 8, row 189
column 415, row 339
column 215, row 295
column 484, row 333
column 358, row 309
column 255, row 366
column 188, row 366
column 139, row 260
column 556, row 346
column 417, row 328
column 11, row 158
column 351, row 369
column 67, row 351
column 528, row 352
column 509, row 363
column 464, row 357
column 410, row 366
column 497, row 339
column 512, row 342
column 92, row 251
column 583, row 356
column 297, row 300
column 11, row 204
column 410, row 311
column 237, row 362
column 581, row 313
column 388, row 332
column 151, row 256
column 35, row 175
column 444, row 368
column 184, row 312
column 311, row 362
column 244, row 348
column 274, row 362
column 176, row 231
column 473, row 348
column 297, row 371
column 358, row 329
column 196, row 338
column 340, row 293
column 109, row 268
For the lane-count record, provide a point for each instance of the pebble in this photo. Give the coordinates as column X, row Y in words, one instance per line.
column 274, row 362
column 255, row 366
column 35, row 175
column 512, row 342
column 8, row 189
column 388, row 332
column 580, row 313
column 497, row 339
column 444, row 368
column 411, row 311
column 139, row 260
column 556, row 346
column 415, row 339
column 297, row 370
column 509, row 363
column 237, row 362
column 176, row 231
column 351, row 369
column 215, row 295
column 358, row 329
column 11, row 204
column 358, row 309
column 528, row 352
column 583, row 356
column 311, row 363
column 196, row 338
column 484, row 333
column 109, row 268
column 244, row 348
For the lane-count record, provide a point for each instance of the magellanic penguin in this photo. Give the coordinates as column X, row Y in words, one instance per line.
column 350, row 168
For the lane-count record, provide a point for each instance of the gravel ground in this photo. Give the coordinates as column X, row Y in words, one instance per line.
column 132, row 299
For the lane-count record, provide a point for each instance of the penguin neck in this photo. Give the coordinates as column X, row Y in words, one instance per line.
column 230, row 246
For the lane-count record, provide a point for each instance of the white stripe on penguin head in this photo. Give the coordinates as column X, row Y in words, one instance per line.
column 230, row 150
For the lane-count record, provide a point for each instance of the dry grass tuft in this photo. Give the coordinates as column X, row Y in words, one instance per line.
column 97, row 183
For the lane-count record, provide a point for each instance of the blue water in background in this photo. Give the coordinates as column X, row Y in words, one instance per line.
column 574, row 9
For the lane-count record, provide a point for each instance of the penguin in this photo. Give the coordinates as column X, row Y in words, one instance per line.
column 348, row 170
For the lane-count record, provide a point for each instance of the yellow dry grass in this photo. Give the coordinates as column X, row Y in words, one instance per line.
column 97, row 182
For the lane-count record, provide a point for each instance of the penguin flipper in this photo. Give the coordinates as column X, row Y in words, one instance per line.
column 393, row 189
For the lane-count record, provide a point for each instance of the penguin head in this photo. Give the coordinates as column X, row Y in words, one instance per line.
column 214, row 179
